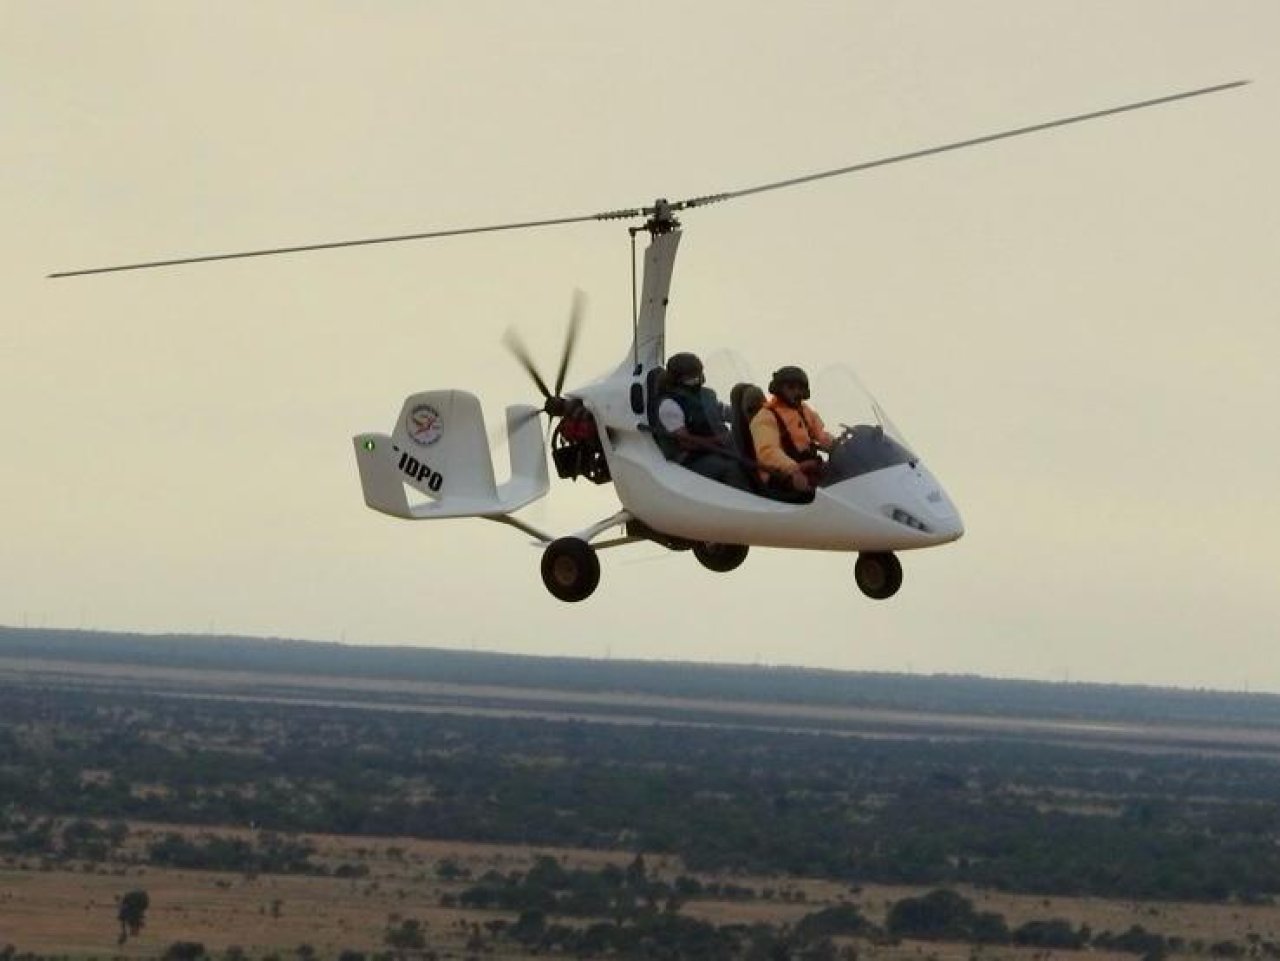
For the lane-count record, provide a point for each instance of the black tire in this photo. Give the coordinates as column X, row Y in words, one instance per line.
column 879, row 575
column 570, row 569
column 720, row 558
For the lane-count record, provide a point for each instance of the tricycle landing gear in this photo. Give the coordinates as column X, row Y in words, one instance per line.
column 570, row 569
column 721, row 558
column 879, row 575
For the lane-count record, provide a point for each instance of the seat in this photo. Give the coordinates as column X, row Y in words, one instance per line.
column 746, row 448
column 652, row 398
column 741, row 429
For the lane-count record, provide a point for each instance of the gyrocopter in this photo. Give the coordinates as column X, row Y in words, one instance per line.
column 875, row 496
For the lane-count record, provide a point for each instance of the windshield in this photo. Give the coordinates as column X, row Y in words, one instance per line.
column 865, row 439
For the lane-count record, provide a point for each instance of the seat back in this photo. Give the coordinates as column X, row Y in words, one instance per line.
column 740, row 422
column 653, row 398
column 652, row 385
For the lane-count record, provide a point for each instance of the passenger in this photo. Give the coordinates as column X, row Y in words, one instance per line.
column 788, row 434
column 691, row 424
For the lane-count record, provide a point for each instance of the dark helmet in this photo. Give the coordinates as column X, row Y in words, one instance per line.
column 790, row 375
column 682, row 367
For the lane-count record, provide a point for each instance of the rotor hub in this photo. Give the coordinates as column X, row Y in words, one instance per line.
column 662, row 219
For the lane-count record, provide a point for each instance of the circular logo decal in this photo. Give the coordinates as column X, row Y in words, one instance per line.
column 424, row 425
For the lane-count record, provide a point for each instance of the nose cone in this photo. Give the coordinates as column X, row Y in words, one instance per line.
column 951, row 529
column 894, row 508
column 933, row 506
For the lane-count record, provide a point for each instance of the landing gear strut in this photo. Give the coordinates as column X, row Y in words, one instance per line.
column 570, row 569
column 879, row 575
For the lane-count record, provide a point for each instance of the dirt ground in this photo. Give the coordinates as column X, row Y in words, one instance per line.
column 73, row 912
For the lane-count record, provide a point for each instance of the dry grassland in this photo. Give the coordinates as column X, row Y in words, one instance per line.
column 73, row 912
column 67, row 912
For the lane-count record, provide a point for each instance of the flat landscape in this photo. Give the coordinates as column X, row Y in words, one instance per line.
column 72, row 912
column 469, row 808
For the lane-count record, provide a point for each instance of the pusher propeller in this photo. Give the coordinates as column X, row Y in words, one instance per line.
column 555, row 405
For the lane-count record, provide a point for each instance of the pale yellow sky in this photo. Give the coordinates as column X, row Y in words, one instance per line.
column 1077, row 330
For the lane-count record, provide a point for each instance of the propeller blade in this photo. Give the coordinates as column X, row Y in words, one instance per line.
column 958, row 145
column 570, row 337
column 514, row 344
column 500, row 437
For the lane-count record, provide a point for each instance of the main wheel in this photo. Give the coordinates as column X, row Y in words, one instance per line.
column 720, row 558
column 879, row 575
column 570, row 569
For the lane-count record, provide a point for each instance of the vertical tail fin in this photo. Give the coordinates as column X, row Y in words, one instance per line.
column 442, row 447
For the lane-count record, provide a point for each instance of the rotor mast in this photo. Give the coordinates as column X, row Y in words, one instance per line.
column 648, row 348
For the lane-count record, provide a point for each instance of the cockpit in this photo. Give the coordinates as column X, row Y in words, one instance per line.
column 862, row 449
column 864, row 439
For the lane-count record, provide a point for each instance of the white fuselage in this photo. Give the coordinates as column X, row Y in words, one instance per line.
column 854, row 515
column 857, row 514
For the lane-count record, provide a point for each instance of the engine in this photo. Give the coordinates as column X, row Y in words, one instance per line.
column 576, row 448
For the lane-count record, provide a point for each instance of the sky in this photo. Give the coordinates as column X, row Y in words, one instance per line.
column 1076, row 330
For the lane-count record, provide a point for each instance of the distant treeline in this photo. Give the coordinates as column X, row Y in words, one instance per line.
column 961, row 694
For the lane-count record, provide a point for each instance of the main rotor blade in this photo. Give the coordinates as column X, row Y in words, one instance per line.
column 570, row 338
column 521, row 352
column 272, row 251
column 662, row 208
column 958, row 145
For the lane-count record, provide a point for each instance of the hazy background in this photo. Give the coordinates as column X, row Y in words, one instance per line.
column 1078, row 330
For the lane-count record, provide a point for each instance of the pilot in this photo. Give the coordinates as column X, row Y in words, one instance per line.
column 691, row 427
column 788, row 434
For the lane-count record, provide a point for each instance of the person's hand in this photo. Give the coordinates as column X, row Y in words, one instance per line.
column 801, row 482
column 812, row 469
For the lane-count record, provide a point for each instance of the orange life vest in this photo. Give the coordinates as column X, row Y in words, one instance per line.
column 800, row 430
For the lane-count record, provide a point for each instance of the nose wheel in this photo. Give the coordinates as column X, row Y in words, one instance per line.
column 570, row 569
column 879, row 575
